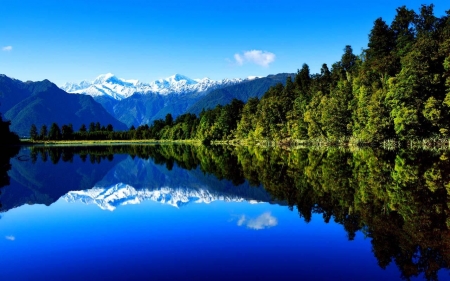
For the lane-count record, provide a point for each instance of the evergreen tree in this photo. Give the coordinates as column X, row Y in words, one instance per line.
column 169, row 119
column 43, row 132
column 33, row 132
column 379, row 54
column 54, row 132
column 67, row 132
column 92, row 127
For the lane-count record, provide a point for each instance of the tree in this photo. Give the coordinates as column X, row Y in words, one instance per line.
column 169, row 119
column 91, row 127
column 426, row 21
column 247, row 122
column 381, row 44
column 418, row 81
column 348, row 59
column 67, row 132
column 109, row 128
column 43, row 132
column 33, row 132
column 55, row 132
column 404, row 33
column 82, row 128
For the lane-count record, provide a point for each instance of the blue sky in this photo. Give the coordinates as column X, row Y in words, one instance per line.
column 70, row 41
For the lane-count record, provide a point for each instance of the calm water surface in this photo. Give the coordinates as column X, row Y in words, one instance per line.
column 196, row 213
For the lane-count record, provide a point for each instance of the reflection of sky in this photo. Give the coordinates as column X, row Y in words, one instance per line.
column 199, row 241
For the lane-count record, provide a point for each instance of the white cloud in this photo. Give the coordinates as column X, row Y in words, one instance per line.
column 262, row 58
column 7, row 48
column 263, row 221
column 239, row 59
column 10, row 238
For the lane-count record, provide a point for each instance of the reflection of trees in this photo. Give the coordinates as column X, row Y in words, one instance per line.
column 6, row 153
column 399, row 200
column 215, row 160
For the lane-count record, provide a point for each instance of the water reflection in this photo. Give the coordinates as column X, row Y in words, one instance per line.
column 120, row 175
column 398, row 199
column 5, row 155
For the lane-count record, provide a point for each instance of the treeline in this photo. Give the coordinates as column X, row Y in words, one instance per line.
column 398, row 88
column 66, row 132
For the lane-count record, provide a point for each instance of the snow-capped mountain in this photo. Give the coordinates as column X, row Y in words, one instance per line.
column 118, row 88
column 110, row 198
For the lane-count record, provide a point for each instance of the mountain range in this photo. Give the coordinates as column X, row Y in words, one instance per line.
column 118, row 88
column 120, row 102
column 42, row 103
column 136, row 103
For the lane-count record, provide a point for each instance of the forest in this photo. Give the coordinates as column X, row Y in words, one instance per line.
column 396, row 89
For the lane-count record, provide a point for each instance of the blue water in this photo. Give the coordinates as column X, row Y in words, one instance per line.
column 153, row 240
column 199, row 241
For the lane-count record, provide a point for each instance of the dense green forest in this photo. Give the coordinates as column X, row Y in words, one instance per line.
column 398, row 88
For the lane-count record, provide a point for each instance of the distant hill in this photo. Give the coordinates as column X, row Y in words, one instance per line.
column 39, row 103
column 242, row 91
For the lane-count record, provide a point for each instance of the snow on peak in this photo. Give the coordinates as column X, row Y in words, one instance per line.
column 118, row 88
column 109, row 198
column 104, row 78
column 180, row 78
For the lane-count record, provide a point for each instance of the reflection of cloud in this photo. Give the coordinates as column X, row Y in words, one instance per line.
column 10, row 238
column 265, row 220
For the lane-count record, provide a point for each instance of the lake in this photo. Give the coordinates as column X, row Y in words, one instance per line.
column 176, row 212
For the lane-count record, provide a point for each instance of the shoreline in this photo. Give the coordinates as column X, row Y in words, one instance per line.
column 389, row 144
column 102, row 142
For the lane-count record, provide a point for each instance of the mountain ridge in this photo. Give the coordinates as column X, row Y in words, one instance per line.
column 119, row 88
column 44, row 103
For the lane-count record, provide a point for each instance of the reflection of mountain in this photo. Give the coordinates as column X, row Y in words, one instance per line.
column 115, row 181
column 45, row 182
column 123, row 194
column 135, row 180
